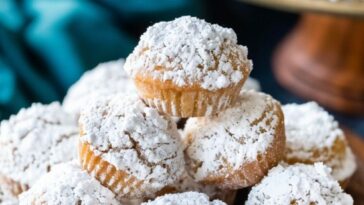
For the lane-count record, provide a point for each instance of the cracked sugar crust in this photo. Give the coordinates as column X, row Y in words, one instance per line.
column 189, row 51
column 106, row 79
column 34, row 140
column 311, row 130
column 67, row 183
column 186, row 198
column 299, row 184
column 134, row 138
column 225, row 142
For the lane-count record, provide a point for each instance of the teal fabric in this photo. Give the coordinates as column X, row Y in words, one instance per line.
column 46, row 45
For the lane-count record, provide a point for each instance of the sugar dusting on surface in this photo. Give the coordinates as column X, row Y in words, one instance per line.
column 68, row 184
column 311, row 123
column 299, row 184
column 104, row 80
column 233, row 137
column 310, row 128
column 251, row 84
column 186, row 198
column 36, row 139
column 134, row 138
column 190, row 51
column 187, row 184
column 7, row 198
column 346, row 168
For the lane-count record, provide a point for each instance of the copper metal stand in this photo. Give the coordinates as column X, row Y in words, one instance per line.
column 323, row 60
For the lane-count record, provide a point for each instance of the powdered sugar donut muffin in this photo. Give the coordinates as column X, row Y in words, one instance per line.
column 299, row 184
column 237, row 147
column 32, row 142
column 187, row 184
column 130, row 148
column 68, row 184
column 186, row 198
column 251, row 84
column 188, row 67
column 313, row 135
column 106, row 79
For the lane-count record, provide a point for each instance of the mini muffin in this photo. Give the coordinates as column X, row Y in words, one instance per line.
column 251, row 84
column 32, row 142
column 130, row 148
column 313, row 135
column 299, row 184
column 188, row 67
column 237, row 147
column 67, row 184
column 106, row 79
column 187, row 184
column 186, row 198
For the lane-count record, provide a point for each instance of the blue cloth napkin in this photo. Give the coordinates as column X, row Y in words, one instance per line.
column 45, row 46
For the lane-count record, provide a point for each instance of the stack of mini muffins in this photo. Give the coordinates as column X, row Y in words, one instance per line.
column 130, row 150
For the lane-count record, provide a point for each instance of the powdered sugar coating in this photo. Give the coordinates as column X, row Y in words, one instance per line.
column 309, row 128
column 189, row 51
column 299, row 184
column 35, row 140
column 251, row 84
column 234, row 137
column 186, row 198
column 345, row 169
column 312, row 123
column 68, row 184
column 106, row 79
column 187, row 184
column 134, row 138
column 7, row 198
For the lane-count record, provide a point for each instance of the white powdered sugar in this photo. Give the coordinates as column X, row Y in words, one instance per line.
column 299, row 184
column 36, row 139
column 68, row 184
column 134, row 138
column 251, row 84
column 343, row 170
column 187, row 183
column 186, row 198
column 189, row 51
column 311, row 123
column 7, row 198
column 106, row 79
column 309, row 128
column 234, row 137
